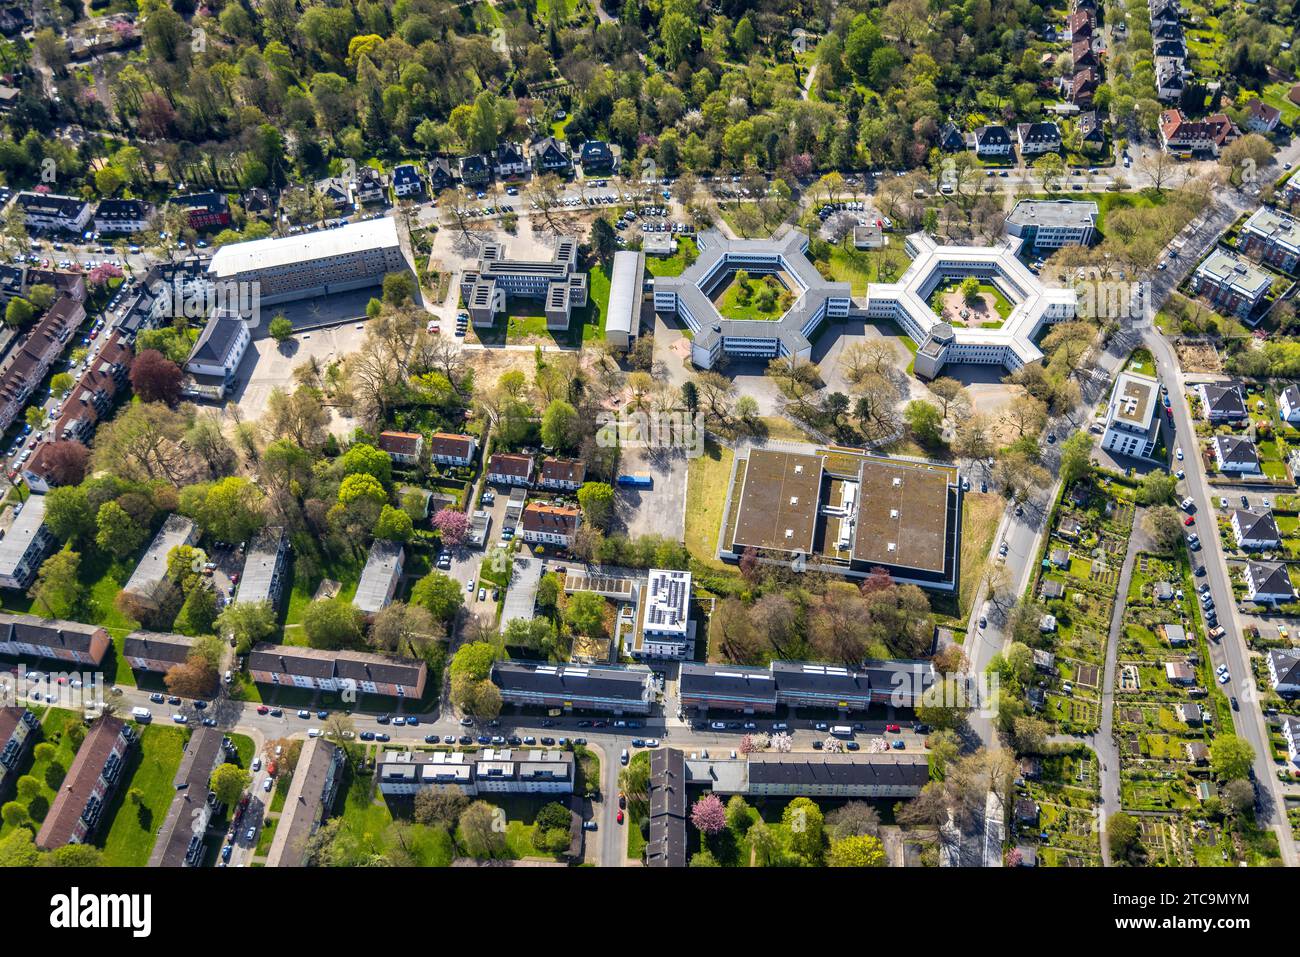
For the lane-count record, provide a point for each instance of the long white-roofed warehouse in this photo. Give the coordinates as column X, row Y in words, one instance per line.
column 318, row 263
column 623, row 316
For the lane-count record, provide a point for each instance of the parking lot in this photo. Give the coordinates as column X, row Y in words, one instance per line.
column 660, row 510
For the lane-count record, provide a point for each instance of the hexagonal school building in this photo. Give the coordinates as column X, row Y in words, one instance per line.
column 960, row 332
column 693, row 295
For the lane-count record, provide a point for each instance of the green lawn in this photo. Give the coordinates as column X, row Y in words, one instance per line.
column 1109, row 202
column 367, row 827
column 346, row 572
column 739, row 303
column 676, row 264
column 151, row 770
column 706, row 486
column 858, row 267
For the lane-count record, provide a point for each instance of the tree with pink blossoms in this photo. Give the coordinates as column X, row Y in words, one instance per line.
column 453, row 524
column 102, row 273
column 708, row 814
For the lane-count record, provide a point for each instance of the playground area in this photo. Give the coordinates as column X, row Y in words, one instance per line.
column 975, row 306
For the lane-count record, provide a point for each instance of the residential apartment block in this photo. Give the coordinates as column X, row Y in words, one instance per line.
column 1133, row 417
column 309, row 803
column 562, row 474
column 607, row 689
column 663, row 616
column 900, row 683
column 380, row 576
column 506, row 468
column 148, row 581
column 27, row 364
column 156, row 651
column 89, row 786
column 262, row 579
column 404, row 448
column 1268, row 583
column 1255, row 530
column 321, row 670
column 1284, row 671
column 1222, row 401
column 50, row 212
column 25, row 546
column 180, row 841
column 447, row 448
column 549, row 524
column 1231, row 283
column 1272, row 237
column 19, row 731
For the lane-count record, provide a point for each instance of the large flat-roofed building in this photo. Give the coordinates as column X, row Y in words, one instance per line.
column 1231, row 283
column 1133, row 417
column 556, row 282
column 263, row 577
column 623, row 317
column 1009, row 344
column 156, row 651
column 309, row 803
column 322, row 670
column 689, row 296
column 843, row 511
column 86, row 791
column 608, row 689
column 380, row 577
column 146, row 582
column 180, row 839
column 778, row 505
column 1051, row 224
column 25, row 545
column 318, row 263
column 490, row 771
column 26, row 636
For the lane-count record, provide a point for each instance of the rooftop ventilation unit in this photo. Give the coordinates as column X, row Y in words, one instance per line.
column 891, row 547
column 789, row 533
column 897, row 482
column 794, row 499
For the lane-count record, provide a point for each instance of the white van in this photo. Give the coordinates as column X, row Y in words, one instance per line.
column 623, row 756
column 142, row 715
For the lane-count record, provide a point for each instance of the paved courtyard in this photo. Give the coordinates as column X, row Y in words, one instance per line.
column 269, row 365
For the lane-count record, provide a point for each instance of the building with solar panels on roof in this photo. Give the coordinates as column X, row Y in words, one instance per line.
column 663, row 625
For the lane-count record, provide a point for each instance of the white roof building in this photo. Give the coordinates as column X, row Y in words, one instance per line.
column 1011, row 344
